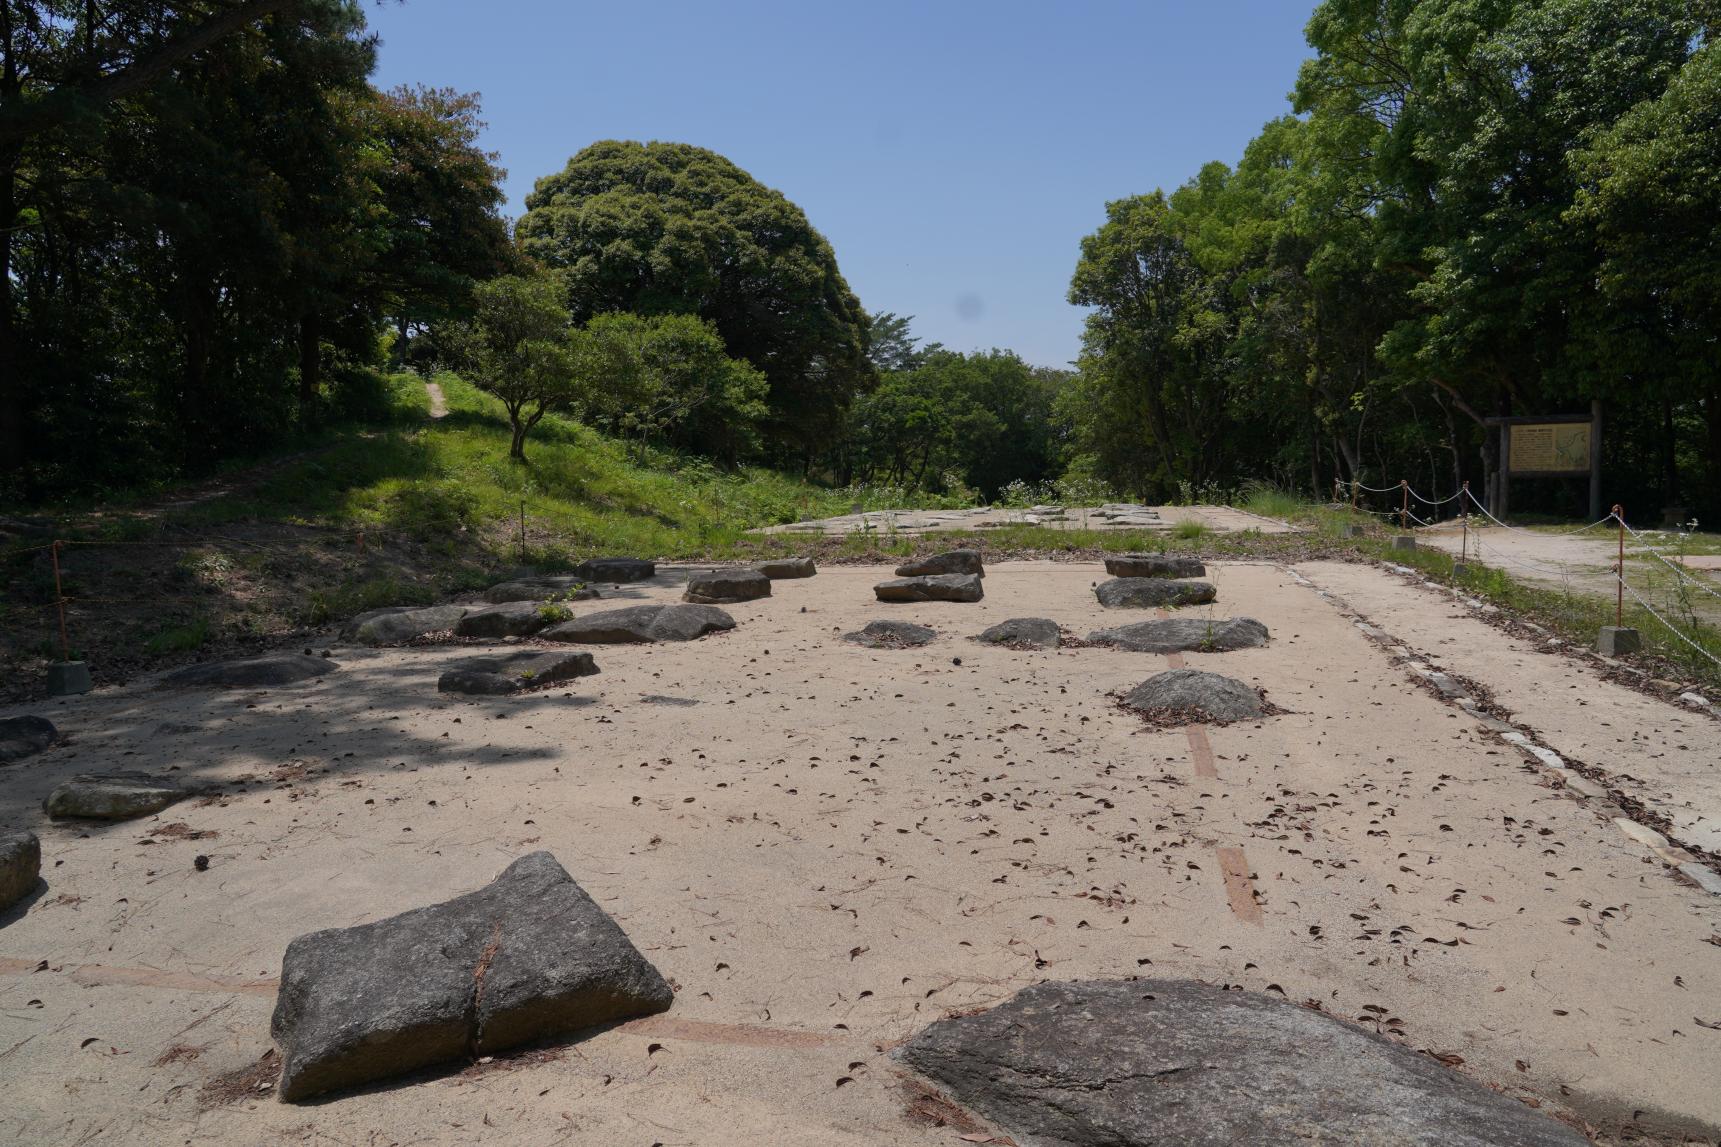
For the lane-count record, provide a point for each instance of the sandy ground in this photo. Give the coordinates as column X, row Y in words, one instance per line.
column 834, row 846
column 1221, row 519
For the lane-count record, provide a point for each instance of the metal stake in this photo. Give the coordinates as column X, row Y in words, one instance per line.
column 1464, row 542
column 60, row 601
column 1619, row 570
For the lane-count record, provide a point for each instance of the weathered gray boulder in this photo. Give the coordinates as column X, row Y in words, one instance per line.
column 1137, row 1062
column 114, row 796
column 936, row 587
column 512, row 619
column 1038, row 632
column 687, row 622
column 1184, row 694
column 1175, row 634
column 1154, row 565
column 20, row 866
column 249, row 672
column 542, row 588
column 722, row 587
column 778, row 568
column 891, row 634
column 642, row 623
column 1152, row 592
column 402, row 623
column 609, row 627
column 614, row 570
column 511, row 672
column 23, row 736
column 527, row 957
column 949, row 562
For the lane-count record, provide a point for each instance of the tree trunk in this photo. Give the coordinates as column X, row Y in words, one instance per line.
column 1670, row 454
column 1712, row 415
column 12, row 401
column 1347, row 451
column 310, row 367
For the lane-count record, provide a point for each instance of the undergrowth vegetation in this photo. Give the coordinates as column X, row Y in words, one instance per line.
column 449, row 482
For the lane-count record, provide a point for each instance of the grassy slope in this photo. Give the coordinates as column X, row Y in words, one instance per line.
column 581, row 493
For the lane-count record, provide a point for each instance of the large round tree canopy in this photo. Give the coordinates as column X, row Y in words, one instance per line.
column 663, row 228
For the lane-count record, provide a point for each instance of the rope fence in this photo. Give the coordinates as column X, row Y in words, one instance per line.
column 1468, row 503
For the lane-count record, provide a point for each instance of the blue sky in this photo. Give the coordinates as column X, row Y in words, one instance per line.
column 953, row 153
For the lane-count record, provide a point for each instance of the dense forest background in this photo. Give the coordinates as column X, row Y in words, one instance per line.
column 217, row 236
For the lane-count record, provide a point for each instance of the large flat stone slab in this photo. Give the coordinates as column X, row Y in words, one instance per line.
column 1150, row 1062
column 1180, row 634
column 399, row 624
column 1024, row 632
column 613, row 571
column 642, row 624
column 114, row 796
column 948, row 562
column 512, row 619
column 891, row 635
column 20, row 866
column 1183, row 695
column 502, row 673
column 1152, row 593
column 249, row 672
column 725, row 587
column 558, row 587
column 527, row 957
column 25, row 736
column 778, row 569
column 1154, row 565
column 937, row 587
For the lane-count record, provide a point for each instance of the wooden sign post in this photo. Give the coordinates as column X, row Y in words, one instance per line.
column 1550, row 446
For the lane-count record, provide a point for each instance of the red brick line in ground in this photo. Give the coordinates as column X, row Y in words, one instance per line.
column 1239, row 889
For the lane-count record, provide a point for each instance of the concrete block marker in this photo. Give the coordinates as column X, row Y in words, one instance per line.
column 1618, row 640
column 1355, row 531
column 68, row 678
column 1404, row 542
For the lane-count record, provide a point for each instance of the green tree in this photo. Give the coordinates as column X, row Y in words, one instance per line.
column 984, row 419
column 890, row 345
column 439, row 198
column 516, row 346
column 668, row 378
column 666, row 228
column 1651, row 196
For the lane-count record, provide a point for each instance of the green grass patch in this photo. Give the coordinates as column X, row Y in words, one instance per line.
column 1190, row 530
column 184, row 638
